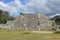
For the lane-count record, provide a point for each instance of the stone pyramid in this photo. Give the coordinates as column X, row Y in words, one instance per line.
column 31, row 22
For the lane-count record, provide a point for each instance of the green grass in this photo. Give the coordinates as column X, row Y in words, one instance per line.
column 26, row 35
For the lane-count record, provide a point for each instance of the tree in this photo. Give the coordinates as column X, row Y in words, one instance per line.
column 4, row 17
column 21, row 13
column 56, row 19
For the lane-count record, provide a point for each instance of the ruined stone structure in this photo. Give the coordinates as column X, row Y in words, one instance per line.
column 31, row 22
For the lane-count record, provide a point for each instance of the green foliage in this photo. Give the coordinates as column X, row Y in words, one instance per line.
column 11, row 18
column 0, row 28
column 4, row 16
column 56, row 19
column 22, row 14
column 26, row 33
column 57, row 32
column 54, row 26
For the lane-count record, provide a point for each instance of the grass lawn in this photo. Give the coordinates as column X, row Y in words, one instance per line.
column 22, row 35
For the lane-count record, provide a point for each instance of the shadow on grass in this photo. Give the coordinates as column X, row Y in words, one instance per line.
column 57, row 32
column 26, row 32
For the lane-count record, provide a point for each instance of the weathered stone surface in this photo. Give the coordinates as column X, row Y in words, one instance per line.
column 32, row 22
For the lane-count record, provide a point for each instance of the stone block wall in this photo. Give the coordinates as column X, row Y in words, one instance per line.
column 32, row 22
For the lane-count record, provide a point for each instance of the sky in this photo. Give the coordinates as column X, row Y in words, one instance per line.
column 14, row 7
column 6, row 1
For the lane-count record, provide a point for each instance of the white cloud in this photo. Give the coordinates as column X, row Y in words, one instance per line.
column 2, row 5
column 38, row 6
column 16, row 5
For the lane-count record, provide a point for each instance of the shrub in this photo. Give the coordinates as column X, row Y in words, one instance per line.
column 0, row 28
column 53, row 28
column 57, row 32
column 26, row 33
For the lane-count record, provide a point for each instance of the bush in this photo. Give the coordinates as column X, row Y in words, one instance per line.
column 57, row 32
column 53, row 28
column 0, row 28
column 26, row 33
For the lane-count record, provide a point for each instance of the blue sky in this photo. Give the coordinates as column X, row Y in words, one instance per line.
column 14, row 7
column 6, row 1
column 24, row 1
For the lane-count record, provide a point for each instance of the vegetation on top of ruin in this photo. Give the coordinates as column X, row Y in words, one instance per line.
column 22, row 14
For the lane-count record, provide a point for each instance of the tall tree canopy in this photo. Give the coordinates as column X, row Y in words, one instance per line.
column 4, row 16
column 57, row 19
